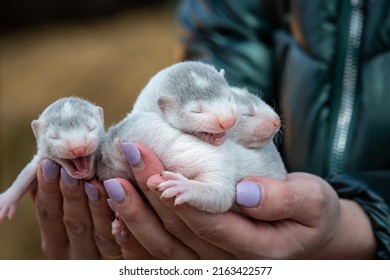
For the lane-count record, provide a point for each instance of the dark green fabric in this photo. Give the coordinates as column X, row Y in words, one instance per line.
column 293, row 54
column 359, row 188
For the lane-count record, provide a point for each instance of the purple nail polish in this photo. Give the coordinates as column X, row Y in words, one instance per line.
column 50, row 170
column 248, row 194
column 109, row 202
column 91, row 191
column 131, row 152
column 114, row 190
column 67, row 179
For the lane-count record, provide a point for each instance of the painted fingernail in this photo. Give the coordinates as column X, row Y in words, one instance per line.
column 248, row 194
column 131, row 152
column 91, row 191
column 50, row 170
column 109, row 202
column 68, row 180
column 114, row 190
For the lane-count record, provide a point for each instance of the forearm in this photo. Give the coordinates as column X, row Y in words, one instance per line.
column 353, row 238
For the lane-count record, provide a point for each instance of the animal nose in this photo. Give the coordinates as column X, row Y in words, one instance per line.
column 226, row 123
column 79, row 151
column 276, row 123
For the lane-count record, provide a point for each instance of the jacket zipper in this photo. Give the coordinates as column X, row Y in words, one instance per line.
column 349, row 82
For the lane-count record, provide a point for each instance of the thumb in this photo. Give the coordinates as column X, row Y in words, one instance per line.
column 266, row 199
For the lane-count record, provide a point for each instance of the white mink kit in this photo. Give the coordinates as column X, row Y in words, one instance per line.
column 193, row 97
column 170, row 115
column 68, row 132
column 200, row 174
column 258, row 122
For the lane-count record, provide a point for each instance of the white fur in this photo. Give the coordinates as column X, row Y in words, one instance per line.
column 258, row 122
column 186, row 106
column 209, row 173
column 66, row 124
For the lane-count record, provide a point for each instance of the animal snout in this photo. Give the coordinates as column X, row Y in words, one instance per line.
column 277, row 123
column 226, row 124
column 79, row 151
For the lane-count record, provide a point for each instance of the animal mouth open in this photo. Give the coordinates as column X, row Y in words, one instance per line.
column 80, row 167
column 215, row 139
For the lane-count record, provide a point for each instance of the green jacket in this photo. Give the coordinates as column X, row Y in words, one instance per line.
column 325, row 65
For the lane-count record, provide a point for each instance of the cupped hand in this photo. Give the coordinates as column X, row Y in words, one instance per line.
column 74, row 218
column 299, row 218
column 160, row 231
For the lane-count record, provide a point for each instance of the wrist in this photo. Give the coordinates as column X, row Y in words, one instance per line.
column 353, row 237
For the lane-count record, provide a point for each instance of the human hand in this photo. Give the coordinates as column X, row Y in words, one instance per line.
column 293, row 218
column 73, row 225
column 158, row 229
column 299, row 218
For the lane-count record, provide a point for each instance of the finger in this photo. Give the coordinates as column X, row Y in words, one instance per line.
column 300, row 197
column 48, row 201
column 177, row 227
column 126, row 246
column 223, row 230
column 102, row 216
column 239, row 235
column 143, row 223
column 131, row 248
column 77, row 218
column 144, row 164
column 142, row 161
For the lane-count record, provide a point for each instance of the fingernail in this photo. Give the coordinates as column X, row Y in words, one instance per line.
column 131, row 152
column 109, row 202
column 50, row 170
column 91, row 191
column 69, row 181
column 114, row 190
column 248, row 194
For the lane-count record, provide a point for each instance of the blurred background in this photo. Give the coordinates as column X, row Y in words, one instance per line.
column 102, row 50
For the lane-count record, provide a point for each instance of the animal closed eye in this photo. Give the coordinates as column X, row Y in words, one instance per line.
column 91, row 127
column 250, row 112
column 197, row 110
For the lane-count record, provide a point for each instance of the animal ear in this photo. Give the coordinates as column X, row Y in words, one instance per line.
column 164, row 103
column 100, row 112
column 222, row 73
column 36, row 125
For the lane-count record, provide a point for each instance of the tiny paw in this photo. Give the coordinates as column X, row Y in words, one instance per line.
column 117, row 226
column 182, row 194
column 176, row 186
column 7, row 209
column 168, row 175
column 172, row 180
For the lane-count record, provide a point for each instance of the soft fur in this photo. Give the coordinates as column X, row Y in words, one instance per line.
column 68, row 132
column 200, row 174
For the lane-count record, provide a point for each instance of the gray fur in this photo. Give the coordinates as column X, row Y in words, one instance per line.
column 211, row 172
column 68, row 126
column 191, row 96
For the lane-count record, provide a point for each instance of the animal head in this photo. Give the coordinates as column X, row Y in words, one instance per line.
column 69, row 132
column 259, row 122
